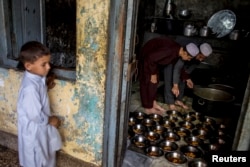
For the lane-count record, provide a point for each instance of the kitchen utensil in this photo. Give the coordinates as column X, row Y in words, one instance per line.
column 191, row 151
column 140, row 141
column 189, row 30
column 168, row 146
column 139, row 129
column 154, row 151
column 222, row 22
column 176, row 157
column 198, row 163
column 185, row 13
column 204, row 31
column 193, row 141
column 212, row 102
column 171, row 136
column 182, row 131
column 234, row 35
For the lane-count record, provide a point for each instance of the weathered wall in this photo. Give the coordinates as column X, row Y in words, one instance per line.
column 79, row 104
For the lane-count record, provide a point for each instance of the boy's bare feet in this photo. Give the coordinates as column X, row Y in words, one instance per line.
column 180, row 103
column 158, row 107
column 153, row 111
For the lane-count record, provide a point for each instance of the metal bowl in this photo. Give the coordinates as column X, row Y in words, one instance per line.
column 209, row 121
column 154, row 151
column 211, row 147
column 174, row 113
column 168, row 124
column 171, row 136
column 182, row 131
column 221, row 132
column 170, row 118
column 168, row 146
column 199, row 116
column 184, row 13
column 139, row 129
column 193, row 141
column 191, row 151
column 186, row 124
column 148, row 122
column 158, row 129
column 218, row 140
column 152, row 136
column 140, row 141
column 139, row 115
column 205, row 127
column 176, row 157
column 221, row 126
column 132, row 121
column 198, row 163
column 200, row 133
column 189, row 117
column 156, row 117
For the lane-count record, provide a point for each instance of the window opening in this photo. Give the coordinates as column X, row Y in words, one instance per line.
column 61, row 32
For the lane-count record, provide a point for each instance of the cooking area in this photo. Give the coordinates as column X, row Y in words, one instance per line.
column 220, row 81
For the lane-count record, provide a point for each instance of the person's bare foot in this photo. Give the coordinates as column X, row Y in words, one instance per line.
column 172, row 107
column 158, row 107
column 180, row 103
column 153, row 111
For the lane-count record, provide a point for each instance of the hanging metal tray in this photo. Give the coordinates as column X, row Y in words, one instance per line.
column 222, row 23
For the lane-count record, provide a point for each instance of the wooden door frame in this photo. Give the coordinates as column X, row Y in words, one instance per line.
column 120, row 51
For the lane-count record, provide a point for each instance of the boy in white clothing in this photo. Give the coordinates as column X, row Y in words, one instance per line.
column 38, row 137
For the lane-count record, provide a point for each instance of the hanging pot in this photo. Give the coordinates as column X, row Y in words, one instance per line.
column 212, row 102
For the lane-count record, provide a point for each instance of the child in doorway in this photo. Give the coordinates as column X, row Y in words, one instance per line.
column 38, row 137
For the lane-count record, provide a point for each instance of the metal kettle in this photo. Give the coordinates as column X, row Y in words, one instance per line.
column 189, row 30
column 204, row 31
column 234, row 35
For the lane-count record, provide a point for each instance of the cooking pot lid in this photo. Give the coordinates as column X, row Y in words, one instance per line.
column 222, row 22
column 213, row 94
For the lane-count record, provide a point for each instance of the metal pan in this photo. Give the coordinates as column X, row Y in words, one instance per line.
column 222, row 23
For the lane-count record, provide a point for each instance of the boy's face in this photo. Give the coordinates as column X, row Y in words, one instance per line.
column 40, row 67
column 184, row 55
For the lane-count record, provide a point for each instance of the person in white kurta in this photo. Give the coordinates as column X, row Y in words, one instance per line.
column 38, row 137
column 38, row 141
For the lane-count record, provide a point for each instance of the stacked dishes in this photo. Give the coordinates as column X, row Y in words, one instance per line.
column 179, row 137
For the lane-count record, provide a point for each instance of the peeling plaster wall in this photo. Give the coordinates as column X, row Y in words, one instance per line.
column 79, row 104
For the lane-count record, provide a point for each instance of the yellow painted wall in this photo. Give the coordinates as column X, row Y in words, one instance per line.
column 80, row 103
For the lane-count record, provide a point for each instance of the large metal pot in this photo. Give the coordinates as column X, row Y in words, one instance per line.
column 212, row 102
column 223, row 87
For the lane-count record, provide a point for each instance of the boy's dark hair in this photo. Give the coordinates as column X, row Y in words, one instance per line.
column 31, row 51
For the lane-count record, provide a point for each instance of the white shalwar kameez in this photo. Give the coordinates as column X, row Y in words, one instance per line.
column 38, row 141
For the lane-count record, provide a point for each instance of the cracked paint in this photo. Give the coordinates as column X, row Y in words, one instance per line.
column 80, row 103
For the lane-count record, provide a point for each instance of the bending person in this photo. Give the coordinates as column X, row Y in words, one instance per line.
column 171, row 78
column 182, row 77
column 157, row 52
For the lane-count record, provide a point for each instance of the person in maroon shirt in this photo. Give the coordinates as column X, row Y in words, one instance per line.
column 157, row 52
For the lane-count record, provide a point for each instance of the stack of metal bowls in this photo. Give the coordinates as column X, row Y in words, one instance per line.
column 182, row 138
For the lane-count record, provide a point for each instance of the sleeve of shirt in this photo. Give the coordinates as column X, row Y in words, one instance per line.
column 185, row 73
column 177, row 71
column 33, row 108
